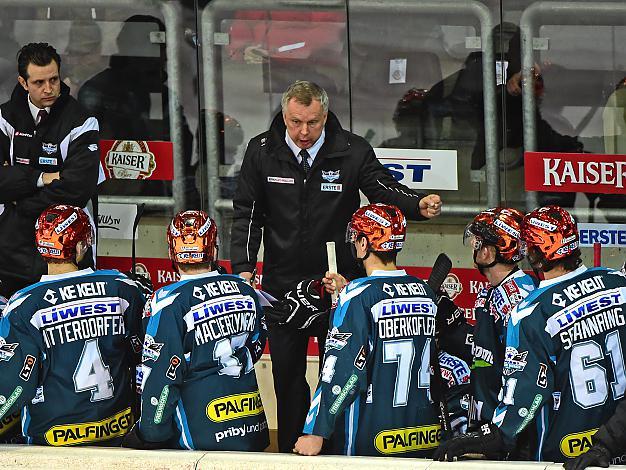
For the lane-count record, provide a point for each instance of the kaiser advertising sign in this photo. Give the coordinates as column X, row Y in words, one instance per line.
column 575, row 172
column 137, row 159
column 421, row 169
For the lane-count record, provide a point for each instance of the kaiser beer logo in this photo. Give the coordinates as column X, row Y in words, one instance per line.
column 575, row 172
column 130, row 159
column 452, row 286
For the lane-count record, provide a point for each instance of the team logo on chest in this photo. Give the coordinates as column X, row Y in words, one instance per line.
column 7, row 350
column 49, row 148
column 330, row 175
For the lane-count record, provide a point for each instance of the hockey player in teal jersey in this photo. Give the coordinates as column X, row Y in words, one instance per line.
column 204, row 334
column 373, row 393
column 493, row 236
column 69, row 345
column 564, row 364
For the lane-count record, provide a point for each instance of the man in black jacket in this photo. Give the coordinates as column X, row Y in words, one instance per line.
column 300, row 183
column 49, row 155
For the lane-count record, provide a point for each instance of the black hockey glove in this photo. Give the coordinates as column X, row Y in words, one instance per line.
column 486, row 441
column 449, row 316
column 144, row 283
column 597, row 456
column 453, row 333
column 132, row 440
column 300, row 307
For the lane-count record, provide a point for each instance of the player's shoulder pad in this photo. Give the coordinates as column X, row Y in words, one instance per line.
column 523, row 309
column 158, row 301
column 354, row 288
column 15, row 301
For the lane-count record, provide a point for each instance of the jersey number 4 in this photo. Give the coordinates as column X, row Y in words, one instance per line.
column 92, row 374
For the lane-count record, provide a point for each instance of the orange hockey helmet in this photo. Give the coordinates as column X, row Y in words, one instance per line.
column 58, row 230
column 192, row 238
column 551, row 231
column 498, row 227
column 383, row 225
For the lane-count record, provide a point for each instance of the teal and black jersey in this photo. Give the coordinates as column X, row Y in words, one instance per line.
column 68, row 349
column 492, row 309
column 198, row 384
column 564, row 361
column 373, row 393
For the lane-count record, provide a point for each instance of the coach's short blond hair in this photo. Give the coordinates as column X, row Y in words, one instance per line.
column 305, row 92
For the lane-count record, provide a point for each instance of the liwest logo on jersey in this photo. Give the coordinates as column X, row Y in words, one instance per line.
column 221, row 317
column 402, row 317
column 78, row 309
column 219, row 306
column 396, row 441
column 591, row 305
column 234, row 407
column 95, row 431
column 577, row 443
column 403, row 306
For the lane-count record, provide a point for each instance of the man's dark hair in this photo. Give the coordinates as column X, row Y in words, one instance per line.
column 573, row 261
column 387, row 256
column 37, row 53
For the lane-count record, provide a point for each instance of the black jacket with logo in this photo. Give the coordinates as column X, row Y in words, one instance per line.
column 298, row 216
column 66, row 141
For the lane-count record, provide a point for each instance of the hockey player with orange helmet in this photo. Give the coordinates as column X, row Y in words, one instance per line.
column 69, row 343
column 493, row 235
column 204, row 333
column 375, row 375
column 564, row 365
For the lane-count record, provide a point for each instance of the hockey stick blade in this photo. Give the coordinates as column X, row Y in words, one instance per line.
column 440, row 271
column 140, row 209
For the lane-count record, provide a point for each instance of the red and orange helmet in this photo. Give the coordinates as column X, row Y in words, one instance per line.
column 58, row 230
column 498, row 227
column 383, row 225
column 552, row 231
column 192, row 238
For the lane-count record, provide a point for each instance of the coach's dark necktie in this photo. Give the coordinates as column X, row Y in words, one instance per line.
column 41, row 116
column 305, row 161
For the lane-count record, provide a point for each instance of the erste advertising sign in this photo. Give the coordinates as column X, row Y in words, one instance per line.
column 421, row 169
